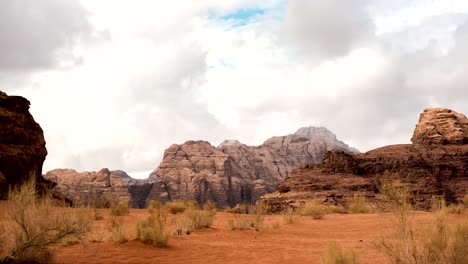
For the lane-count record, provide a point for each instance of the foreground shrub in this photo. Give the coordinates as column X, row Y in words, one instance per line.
column 438, row 244
column 37, row 224
column 314, row 209
column 120, row 208
column 358, row 205
column 175, row 207
column 116, row 228
column 334, row 254
column 152, row 230
column 198, row 219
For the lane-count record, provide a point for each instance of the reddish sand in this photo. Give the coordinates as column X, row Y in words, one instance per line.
column 302, row 242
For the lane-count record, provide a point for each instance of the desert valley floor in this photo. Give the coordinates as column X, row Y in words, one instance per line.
column 301, row 242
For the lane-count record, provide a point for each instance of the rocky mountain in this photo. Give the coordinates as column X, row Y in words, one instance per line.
column 436, row 163
column 22, row 144
column 99, row 188
column 236, row 173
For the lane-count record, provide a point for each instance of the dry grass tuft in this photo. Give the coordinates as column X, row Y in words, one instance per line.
column 438, row 244
column 116, row 227
column 154, row 206
column 455, row 209
column 291, row 215
column 175, row 207
column 314, row 209
column 253, row 220
column 38, row 224
column 465, row 200
column 153, row 229
column 334, row 254
column 358, row 205
column 120, row 208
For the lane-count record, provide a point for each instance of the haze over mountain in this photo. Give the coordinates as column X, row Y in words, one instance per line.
column 113, row 83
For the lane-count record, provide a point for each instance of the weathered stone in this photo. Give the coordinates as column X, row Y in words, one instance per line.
column 435, row 165
column 441, row 126
column 236, row 173
column 22, row 144
column 98, row 189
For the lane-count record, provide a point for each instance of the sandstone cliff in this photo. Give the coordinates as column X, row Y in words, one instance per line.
column 96, row 189
column 435, row 164
column 22, row 144
column 236, row 173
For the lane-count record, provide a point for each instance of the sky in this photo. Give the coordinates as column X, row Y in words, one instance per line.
column 114, row 83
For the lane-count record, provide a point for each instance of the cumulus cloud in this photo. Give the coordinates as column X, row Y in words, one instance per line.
column 166, row 74
column 321, row 29
column 38, row 34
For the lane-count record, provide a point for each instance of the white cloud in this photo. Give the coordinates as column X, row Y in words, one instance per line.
column 154, row 74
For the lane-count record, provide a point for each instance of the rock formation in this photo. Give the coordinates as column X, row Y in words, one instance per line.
column 22, row 144
column 236, row 173
column 97, row 189
column 435, row 164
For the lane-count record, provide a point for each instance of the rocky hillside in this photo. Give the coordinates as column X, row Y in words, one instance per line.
column 236, row 173
column 22, row 144
column 436, row 163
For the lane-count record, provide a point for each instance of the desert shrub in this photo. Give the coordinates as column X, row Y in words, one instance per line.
column 358, row 205
column 198, row 219
column 175, row 207
column 116, row 227
column 153, row 229
column 336, row 209
column 209, row 206
column 97, row 214
column 465, row 200
column 291, row 215
column 37, row 224
column 439, row 244
column 275, row 224
column 455, row 209
column 154, row 205
column 314, row 209
column 253, row 220
column 120, row 208
column 334, row 254
column 239, row 209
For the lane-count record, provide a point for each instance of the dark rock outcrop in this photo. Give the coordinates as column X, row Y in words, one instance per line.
column 435, row 164
column 22, row 144
column 236, row 173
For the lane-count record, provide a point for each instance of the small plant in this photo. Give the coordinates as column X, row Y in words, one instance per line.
column 209, row 206
column 334, row 254
column 117, row 229
column 291, row 215
column 455, row 209
column 154, row 205
column 239, row 209
column 98, row 214
column 275, row 224
column 175, row 207
column 198, row 219
column 37, row 224
column 120, row 208
column 152, row 230
column 314, row 209
column 358, row 205
column 465, row 200
column 253, row 220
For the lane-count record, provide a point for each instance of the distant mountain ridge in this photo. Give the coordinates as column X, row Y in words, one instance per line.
column 229, row 174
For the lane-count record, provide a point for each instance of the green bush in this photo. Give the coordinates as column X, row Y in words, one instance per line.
column 120, row 208
column 314, row 209
column 334, row 254
column 153, row 229
column 358, row 205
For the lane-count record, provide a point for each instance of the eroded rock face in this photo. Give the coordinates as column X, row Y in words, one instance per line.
column 97, row 188
column 22, row 144
column 439, row 126
column 435, row 164
column 234, row 172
